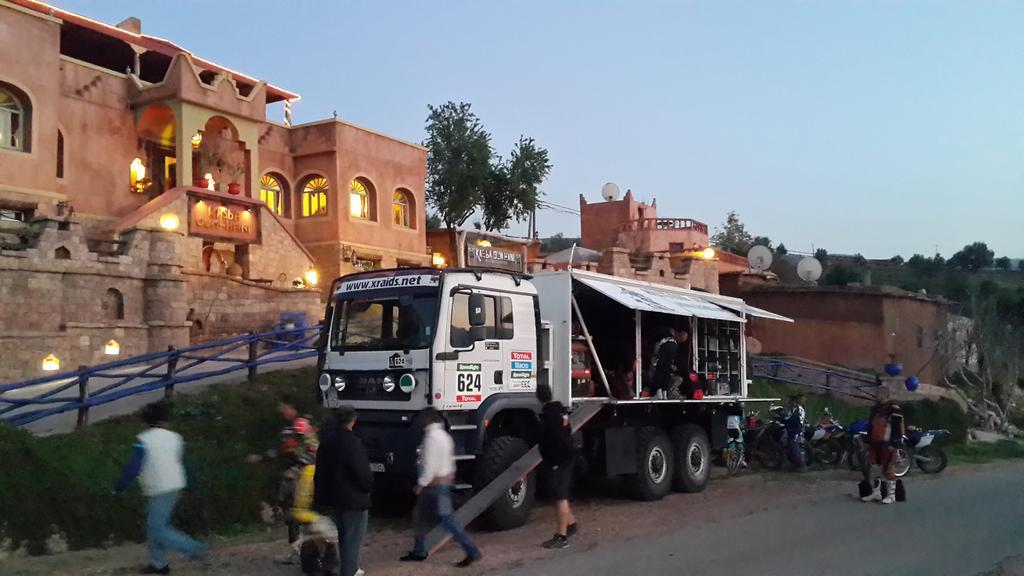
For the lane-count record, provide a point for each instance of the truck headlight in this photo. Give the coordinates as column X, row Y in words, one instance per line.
column 407, row 383
column 339, row 383
column 325, row 382
column 389, row 383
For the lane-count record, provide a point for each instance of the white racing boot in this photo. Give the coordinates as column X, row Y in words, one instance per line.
column 876, row 492
column 890, row 492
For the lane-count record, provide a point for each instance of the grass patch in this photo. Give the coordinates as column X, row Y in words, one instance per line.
column 979, row 453
column 61, row 484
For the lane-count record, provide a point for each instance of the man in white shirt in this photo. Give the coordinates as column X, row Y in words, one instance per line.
column 158, row 462
column 437, row 471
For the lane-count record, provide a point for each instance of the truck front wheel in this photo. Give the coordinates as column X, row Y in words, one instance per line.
column 692, row 457
column 654, row 465
column 512, row 508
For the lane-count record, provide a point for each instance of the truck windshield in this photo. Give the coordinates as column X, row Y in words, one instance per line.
column 392, row 323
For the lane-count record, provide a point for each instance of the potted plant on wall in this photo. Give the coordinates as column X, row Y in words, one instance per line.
column 233, row 172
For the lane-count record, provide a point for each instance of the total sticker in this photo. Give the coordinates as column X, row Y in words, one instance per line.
column 522, row 355
column 473, row 398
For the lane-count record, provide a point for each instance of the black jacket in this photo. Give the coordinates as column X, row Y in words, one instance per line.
column 555, row 434
column 666, row 367
column 343, row 479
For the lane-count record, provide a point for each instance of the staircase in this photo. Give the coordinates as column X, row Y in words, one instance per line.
column 825, row 377
column 480, row 501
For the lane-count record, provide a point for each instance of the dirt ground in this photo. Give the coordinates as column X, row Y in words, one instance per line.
column 604, row 515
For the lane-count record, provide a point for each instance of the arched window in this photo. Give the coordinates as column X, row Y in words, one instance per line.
column 15, row 116
column 401, row 209
column 272, row 193
column 314, row 197
column 113, row 305
column 360, row 199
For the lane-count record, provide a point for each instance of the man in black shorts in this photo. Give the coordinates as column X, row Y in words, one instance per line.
column 559, row 455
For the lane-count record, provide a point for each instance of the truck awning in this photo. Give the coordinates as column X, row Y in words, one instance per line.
column 653, row 298
column 739, row 306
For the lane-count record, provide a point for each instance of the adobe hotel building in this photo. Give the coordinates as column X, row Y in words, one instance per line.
column 145, row 196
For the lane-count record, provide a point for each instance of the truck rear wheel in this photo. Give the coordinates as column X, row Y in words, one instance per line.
column 654, row 465
column 692, row 453
column 512, row 509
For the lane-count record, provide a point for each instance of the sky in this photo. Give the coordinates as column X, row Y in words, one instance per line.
column 873, row 127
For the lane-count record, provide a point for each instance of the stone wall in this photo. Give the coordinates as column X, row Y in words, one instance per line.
column 220, row 306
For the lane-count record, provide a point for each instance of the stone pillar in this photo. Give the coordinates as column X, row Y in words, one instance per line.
column 165, row 294
column 615, row 261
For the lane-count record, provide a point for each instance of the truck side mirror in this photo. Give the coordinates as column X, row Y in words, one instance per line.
column 477, row 315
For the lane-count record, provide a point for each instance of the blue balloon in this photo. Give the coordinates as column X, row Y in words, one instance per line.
column 911, row 383
column 894, row 369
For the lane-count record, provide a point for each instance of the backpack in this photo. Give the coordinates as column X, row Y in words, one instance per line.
column 880, row 429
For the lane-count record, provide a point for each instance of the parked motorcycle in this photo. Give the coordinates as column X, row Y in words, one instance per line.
column 760, row 445
column 829, row 440
column 919, row 449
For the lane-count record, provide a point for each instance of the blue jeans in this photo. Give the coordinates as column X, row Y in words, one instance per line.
column 351, row 526
column 162, row 536
column 436, row 502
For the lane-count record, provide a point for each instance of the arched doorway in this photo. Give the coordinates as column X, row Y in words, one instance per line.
column 156, row 132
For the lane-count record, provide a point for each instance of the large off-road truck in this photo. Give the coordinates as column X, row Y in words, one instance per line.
column 475, row 343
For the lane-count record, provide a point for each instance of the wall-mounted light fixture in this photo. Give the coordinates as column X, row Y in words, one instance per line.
column 169, row 221
column 51, row 363
column 438, row 260
column 312, row 277
column 197, row 139
column 112, row 348
column 138, row 175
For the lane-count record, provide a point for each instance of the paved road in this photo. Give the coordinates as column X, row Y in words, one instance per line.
column 65, row 422
column 958, row 524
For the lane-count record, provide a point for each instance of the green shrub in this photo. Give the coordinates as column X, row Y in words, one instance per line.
column 62, row 483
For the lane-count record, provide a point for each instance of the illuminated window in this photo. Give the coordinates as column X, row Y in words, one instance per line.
column 272, row 193
column 13, row 121
column 314, row 197
column 401, row 210
column 359, row 200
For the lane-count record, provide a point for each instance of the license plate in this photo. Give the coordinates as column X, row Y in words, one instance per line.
column 376, row 466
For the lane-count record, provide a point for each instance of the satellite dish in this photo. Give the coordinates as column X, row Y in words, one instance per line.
column 760, row 258
column 610, row 192
column 809, row 269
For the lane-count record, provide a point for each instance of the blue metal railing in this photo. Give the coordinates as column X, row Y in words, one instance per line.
column 814, row 375
column 150, row 372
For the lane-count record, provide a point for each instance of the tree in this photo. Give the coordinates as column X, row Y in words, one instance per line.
column 781, row 250
column 458, row 163
column 511, row 191
column 897, row 260
column 821, row 254
column 1020, row 265
column 433, row 221
column 841, row 276
column 732, row 236
column 973, row 257
column 1002, row 263
column 761, row 241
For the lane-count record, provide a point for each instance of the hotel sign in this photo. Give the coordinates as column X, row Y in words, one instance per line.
column 494, row 258
column 223, row 220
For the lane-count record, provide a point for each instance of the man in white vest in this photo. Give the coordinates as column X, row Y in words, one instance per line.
column 158, row 462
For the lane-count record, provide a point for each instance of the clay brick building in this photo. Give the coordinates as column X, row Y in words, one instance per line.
column 114, row 143
column 857, row 327
column 625, row 237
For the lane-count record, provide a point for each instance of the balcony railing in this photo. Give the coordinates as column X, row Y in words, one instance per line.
column 664, row 224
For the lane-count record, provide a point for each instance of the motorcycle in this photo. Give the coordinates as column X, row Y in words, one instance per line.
column 761, row 446
column 829, row 440
column 918, row 449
